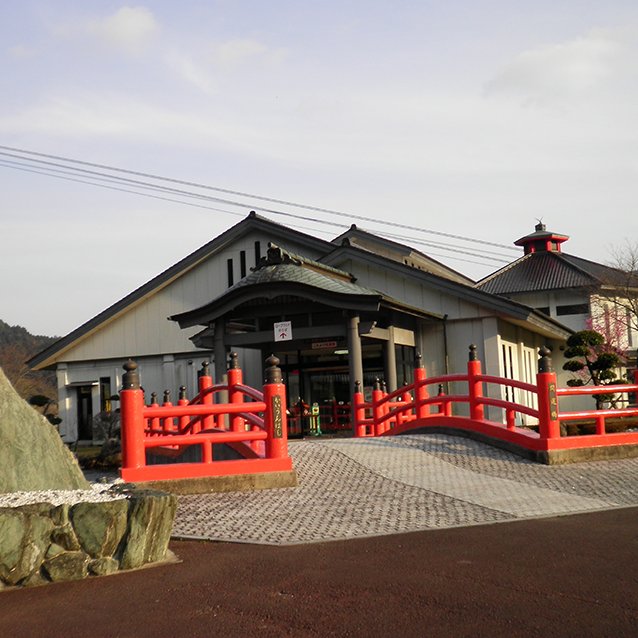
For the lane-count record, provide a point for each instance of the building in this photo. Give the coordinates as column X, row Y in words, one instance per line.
column 579, row 293
column 356, row 308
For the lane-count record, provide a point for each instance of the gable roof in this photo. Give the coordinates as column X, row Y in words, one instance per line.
column 402, row 253
column 517, row 312
column 282, row 272
column 540, row 271
column 157, row 283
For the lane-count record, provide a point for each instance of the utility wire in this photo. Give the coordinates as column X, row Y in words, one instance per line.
column 54, row 172
column 60, row 174
column 252, row 196
column 21, row 167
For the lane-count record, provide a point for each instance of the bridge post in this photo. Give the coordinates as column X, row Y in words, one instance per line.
column 131, row 409
column 475, row 386
column 235, row 378
column 420, row 388
column 154, row 425
column 377, row 408
column 183, row 400
column 205, row 382
column 359, row 412
column 275, row 415
column 548, row 423
column 167, row 422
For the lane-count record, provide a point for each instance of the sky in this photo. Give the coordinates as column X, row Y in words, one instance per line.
column 471, row 118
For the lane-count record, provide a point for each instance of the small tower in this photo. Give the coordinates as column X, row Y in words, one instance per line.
column 541, row 240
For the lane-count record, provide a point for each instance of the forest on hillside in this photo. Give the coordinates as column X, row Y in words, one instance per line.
column 17, row 346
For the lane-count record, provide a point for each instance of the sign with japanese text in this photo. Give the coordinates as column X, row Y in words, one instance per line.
column 320, row 345
column 283, row 331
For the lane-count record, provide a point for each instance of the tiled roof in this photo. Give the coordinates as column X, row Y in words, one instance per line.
column 548, row 271
column 535, row 272
column 298, row 273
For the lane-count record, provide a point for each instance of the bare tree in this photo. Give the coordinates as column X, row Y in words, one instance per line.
column 615, row 305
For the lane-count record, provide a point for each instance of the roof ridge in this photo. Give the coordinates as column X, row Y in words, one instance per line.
column 502, row 270
column 565, row 259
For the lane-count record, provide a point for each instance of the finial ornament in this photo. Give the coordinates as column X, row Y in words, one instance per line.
column 545, row 361
column 273, row 371
column 131, row 378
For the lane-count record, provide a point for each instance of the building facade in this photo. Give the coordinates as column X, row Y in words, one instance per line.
column 353, row 309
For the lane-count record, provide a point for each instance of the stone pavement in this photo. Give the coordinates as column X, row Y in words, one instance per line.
column 352, row 488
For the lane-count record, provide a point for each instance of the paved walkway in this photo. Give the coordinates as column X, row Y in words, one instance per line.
column 351, row 488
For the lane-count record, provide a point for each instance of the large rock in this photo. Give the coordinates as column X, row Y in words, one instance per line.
column 24, row 539
column 151, row 518
column 41, row 543
column 32, row 454
column 99, row 527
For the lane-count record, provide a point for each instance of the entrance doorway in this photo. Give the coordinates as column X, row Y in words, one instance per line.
column 85, row 412
column 319, row 388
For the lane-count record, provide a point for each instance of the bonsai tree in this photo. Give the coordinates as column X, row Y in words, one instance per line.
column 46, row 405
column 594, row 360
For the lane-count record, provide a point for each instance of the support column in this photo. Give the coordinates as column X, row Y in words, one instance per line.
column 355, row 356
column 390, row 361
column 221, row 370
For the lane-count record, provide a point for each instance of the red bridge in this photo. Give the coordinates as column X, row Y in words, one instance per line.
column 253, row 423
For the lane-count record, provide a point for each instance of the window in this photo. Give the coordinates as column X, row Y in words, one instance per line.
column 544, row 310
column 257, row 252
column 229, row 266
column 573, row 309
column 242, row 263
column 105, row 394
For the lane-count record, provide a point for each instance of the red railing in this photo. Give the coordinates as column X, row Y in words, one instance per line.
column 252, row 423
column 414, row 407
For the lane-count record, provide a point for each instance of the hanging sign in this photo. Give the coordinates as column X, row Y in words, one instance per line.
column 283, row 331
column 320, row 345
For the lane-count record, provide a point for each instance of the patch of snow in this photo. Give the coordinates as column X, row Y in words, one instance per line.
column 97, row 493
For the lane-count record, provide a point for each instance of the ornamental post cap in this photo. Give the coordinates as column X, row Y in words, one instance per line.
column 234, row 361
column 473, row 355
column 131, row 378
column 273, row 371
column 545, row 361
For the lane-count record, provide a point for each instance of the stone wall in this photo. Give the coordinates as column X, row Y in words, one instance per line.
column 43, row 543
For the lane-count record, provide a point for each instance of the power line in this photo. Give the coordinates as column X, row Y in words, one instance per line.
column 252, row 196
column 96, row 175
column 64, row 175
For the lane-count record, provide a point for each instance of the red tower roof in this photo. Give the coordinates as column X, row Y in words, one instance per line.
column 541, row 240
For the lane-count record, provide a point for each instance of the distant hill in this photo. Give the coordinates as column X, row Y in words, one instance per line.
column 18, row 345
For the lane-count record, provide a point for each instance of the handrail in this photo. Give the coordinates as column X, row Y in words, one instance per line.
column 597, row 389
column 252, row 421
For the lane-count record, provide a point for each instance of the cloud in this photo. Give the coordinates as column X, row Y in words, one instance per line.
column 130, row 29
column 22, row 52
column 563, row 71
column 235, row 59
column 198, row 75
column 238, row 52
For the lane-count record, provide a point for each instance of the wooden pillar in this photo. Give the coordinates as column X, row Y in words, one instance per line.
column 221, row 369
column 390, row 361
column 355, row 358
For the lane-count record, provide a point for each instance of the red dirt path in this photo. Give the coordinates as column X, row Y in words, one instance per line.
column 567, row 576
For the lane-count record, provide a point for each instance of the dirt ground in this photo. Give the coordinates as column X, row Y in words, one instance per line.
column 566, row 576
